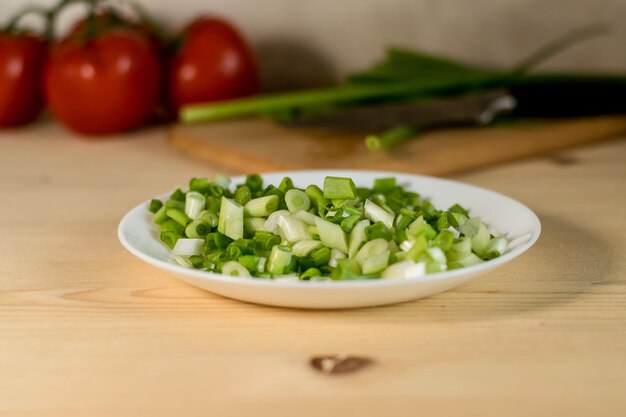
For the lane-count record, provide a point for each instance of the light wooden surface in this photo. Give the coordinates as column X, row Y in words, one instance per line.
column 260, row 145
column 88, row 330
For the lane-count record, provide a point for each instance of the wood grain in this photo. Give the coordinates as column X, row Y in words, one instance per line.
column 259, row 145
column 88, row 330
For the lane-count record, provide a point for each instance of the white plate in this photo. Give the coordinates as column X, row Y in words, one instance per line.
column 506, row 216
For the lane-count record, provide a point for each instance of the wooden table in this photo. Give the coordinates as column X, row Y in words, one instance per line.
column 88, row 330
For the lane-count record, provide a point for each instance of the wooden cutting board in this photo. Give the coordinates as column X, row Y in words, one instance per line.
column 257, row 145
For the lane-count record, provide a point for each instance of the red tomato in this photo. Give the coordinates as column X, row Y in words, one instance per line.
column 107, row 85
column 22, row 59
column 213, row 63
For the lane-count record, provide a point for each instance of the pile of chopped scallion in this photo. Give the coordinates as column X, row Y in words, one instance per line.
column 340, row 232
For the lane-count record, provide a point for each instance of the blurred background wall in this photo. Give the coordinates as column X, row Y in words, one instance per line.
column 304, row 43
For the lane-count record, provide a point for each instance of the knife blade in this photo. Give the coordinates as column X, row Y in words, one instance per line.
column 475, row 109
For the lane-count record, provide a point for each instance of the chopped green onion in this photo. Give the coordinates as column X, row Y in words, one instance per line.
column 330, row 213
column 460, row 249
column 305, row 247
column 254, row 182
column 220, row 240
column 444, row 240
column 178, row 216
column 217, row 258
column 235, row 269
column 456, row 208
column 194, row 204
column 378, row 230
column 221, row 181
column 371, row 248
column 347, row 269
column 359, row 233
column 335, row 255
column 376, row 263
column 182, row 261
column 348, row 223
column 357, row 237
column 332, row 235
column 316, row 195
column 178, row 195
column 418, row 247
column 286, row 184
column 384, row 185
column 351, row 210
column 377, row 214
column 155, row 205
column 305, row 216
column 231, row 219
column 436, row 260
column 312, row 229
column 421, row 227
column 254, row 264
column 310, row 273
column 497, row 246
column 200, row 185
column 475, row 229
column 243, row 195
column 469, row 260
column 271, row 224
column 339, row 188
column 253, row 224
column 293, row 229
column 161, row 215
column 280, row 258
column 234, row 251
column 215, row 191
column 196, row 261
column 262, row 206
column 297, row 200
column 320, row 256
column 188, row 247
column 265, row 240
column 404, row 269
column 197, row 229
column 209, row 218
column 174, row 204
column 169, row 238
column 403, row 220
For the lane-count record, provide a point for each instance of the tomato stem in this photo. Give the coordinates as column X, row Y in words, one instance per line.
column 150, row 23
column 90, row 33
